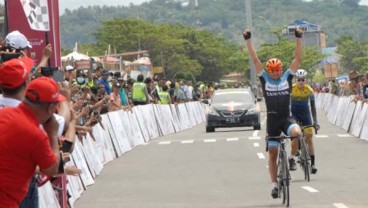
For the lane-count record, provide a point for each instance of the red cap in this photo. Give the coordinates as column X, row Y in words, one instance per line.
column 43, row 89
column 15, row 72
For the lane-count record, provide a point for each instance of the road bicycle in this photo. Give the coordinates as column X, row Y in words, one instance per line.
column 303, row 155
column 283, row 173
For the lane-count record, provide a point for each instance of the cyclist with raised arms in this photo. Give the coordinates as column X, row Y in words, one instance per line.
column 276, row 87
column 301, row 95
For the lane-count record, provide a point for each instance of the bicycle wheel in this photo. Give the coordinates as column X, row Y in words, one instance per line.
column 285, row 181
column 304, row 159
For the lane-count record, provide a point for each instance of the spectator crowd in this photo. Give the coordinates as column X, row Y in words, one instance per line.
column 356, row 86
column 42, row 115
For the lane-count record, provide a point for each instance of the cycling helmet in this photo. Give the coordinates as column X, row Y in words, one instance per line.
column 273, row 65
column 301, row 73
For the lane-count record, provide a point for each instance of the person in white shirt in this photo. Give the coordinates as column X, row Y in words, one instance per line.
column 189, row 93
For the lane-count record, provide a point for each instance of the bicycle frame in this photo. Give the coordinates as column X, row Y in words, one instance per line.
column 283, row 173
column 304, row 157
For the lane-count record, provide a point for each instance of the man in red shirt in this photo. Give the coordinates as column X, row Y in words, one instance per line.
column 23, row 145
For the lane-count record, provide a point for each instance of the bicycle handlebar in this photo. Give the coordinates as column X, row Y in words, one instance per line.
column 281, row 137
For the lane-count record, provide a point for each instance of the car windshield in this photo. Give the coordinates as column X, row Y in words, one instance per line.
column 233, row 96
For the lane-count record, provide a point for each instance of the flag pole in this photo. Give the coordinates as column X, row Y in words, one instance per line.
column 47, row 42
column 6, row 26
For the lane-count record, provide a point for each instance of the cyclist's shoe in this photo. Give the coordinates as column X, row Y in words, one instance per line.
column 292, row 164
column 275, row 192
column 298, row 156
column 313, row 169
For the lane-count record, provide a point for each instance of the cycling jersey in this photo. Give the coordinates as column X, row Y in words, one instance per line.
column 277, row 93
column 277, row 98
column 300, row 97
column 300, row 109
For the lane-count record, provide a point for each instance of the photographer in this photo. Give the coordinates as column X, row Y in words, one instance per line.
column 15, row 45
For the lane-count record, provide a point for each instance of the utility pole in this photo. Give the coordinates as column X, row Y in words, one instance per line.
column 248, row 12
column 198, row 20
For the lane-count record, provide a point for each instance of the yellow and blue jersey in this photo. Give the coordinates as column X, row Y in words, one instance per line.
column 301, row 96
column 300, row 110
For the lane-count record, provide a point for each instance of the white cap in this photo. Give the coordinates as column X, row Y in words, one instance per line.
column 17, row 40
column 69, row 67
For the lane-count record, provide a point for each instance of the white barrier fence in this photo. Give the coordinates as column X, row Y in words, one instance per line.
column 121, row 132
column 343, row 112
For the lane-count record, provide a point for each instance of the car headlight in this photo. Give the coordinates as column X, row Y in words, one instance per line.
column 252, row 111
column 213, row 112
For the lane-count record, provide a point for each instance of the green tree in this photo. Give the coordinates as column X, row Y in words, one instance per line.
column 351, row 3
column 181, row 49
column 353, row 53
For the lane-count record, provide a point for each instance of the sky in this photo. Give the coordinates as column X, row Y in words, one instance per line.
column 75, row 4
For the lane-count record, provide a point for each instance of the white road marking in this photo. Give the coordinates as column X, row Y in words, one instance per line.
column 232, row 139
column 256, row 144
column 145, row 143
column 187, row 142
column 321, row 136
column 261, row 155
column 310, row 189
column 255, row 133
column 163, row 143
column 344, row 135
column 340, row 205
column 209, row 140
column 254, row 138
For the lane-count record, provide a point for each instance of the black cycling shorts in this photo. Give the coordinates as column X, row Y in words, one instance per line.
column 302, row 116
column 276, row 125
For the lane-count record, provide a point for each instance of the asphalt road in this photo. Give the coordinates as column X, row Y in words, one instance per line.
column 228, row 169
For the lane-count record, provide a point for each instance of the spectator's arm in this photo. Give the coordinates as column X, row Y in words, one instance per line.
column 83, row 128
column 50, row 128
column 64, row 111
column 70, row 133
column 46, row 54
column 83, row 112
column 101, row 102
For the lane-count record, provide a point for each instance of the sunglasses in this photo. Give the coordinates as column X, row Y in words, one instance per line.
column 300, row 80
column 274, row 71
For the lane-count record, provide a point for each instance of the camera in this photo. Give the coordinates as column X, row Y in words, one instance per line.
column 48, row 71
column 53, row 72
column 9, row 56
column 67, row 145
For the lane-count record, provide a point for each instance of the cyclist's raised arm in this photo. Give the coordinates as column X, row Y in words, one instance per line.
column 252, row 51
column 295, row 64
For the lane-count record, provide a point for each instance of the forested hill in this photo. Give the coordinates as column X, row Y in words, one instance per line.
column 225, row 17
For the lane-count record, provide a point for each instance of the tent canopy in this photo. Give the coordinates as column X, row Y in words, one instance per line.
column 75, row 56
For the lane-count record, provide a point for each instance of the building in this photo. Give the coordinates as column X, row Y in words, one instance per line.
column 313, row 34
